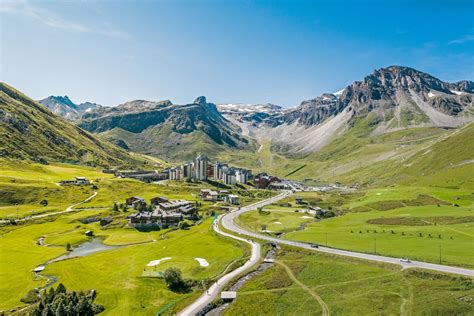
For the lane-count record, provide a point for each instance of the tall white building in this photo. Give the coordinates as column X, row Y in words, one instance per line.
column 200, row 167
column 229, row 176
column 187, row 170
column 242, row 175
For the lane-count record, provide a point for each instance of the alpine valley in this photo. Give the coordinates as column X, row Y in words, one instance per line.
column 354, row 202
column 395, row 122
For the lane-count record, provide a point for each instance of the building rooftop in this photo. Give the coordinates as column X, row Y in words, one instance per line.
column 228, row 295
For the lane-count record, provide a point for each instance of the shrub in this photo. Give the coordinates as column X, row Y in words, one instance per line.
column 175, row 281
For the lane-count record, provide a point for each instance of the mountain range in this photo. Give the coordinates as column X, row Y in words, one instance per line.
column 385, row 120
column 30, row 131
column 392, row 98
column 64, row 107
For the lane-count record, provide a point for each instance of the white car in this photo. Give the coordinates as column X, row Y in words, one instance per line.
column 405, row 260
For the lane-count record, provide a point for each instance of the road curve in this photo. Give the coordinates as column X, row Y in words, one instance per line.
column 212, row 293
column 228, row 223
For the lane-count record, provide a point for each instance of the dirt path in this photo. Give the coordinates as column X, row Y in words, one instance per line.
column 70, row 208
column 324, row 307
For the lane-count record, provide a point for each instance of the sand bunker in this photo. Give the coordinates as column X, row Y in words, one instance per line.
column 202, row 262
column 157, row 262
column 278, row 223
column 306, row 217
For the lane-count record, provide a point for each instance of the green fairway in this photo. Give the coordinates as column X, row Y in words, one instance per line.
column 395, row 221
column 276, row 219
column 308, row 283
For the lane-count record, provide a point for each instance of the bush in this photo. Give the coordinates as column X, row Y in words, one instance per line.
column 184, row 225
column 175, row 281
column 31, row 297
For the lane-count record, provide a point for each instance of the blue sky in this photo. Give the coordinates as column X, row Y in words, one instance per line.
column 282, row 52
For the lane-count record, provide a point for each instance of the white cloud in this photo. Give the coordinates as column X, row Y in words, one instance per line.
column 463, row 39
column 49, row 18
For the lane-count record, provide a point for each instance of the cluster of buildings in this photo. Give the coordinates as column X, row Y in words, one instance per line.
column 265, row 181
column 201, row 168
column 222, row 195
column 76, row 181
column 161, row 212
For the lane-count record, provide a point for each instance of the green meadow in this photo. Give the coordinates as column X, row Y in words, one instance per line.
column 120, row 275
column 115, row 273
column 416, row 222
column 309, row 283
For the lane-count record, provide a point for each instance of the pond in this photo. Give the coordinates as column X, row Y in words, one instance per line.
column 85, row 249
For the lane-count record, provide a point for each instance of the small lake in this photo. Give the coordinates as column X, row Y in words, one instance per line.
column 85, row 249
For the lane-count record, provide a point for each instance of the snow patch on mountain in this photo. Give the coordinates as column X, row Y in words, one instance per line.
column 243, row 108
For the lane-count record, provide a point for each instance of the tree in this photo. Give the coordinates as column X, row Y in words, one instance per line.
column 68, row 247
column 116, row 209
column 61, row 288
column 60, row 309
column 174, row 280
column 184, row 225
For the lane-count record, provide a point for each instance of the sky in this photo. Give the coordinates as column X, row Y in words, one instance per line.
column 282, row 52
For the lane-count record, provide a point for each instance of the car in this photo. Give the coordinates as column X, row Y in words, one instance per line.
column 314, row 246
column 405, row 260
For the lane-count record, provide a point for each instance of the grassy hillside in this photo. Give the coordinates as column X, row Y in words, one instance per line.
column 116, row 273
column 415, row 222
column 308, row 283
column 29, row 131
column 426, row 155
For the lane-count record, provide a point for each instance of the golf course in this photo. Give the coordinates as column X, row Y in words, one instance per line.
column 426, row 224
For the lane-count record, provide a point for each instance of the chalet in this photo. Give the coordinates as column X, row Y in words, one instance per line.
column 105, row 221
column 77, row 181
column 277, row 185
column 204, row 193
column 299, row 200
column 211, row 196
column 156, row 218
column 82, row 180
column 157, row 200
column 188, row 211
column 174, row 205
column 89, row 233
column 136, row 202
column 232, row 199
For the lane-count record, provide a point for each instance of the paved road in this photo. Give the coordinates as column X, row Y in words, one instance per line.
column 228, row 223
column 213, row 292
column 68, row 209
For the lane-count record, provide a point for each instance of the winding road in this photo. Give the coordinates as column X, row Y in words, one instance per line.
column 228, row 222
column 211, row 294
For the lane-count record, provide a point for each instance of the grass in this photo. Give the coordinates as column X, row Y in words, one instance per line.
column 306, row 283
column 112, row 273
column 415, row 156
column 24, row 185
column 32, row 132
column 277, row 220
column 412, row 227
column 117, row 274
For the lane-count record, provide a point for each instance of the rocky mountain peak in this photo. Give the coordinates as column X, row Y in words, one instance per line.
column 200, row 100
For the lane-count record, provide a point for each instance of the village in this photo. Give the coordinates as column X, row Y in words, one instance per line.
column 202, row 169
column 160, row 212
